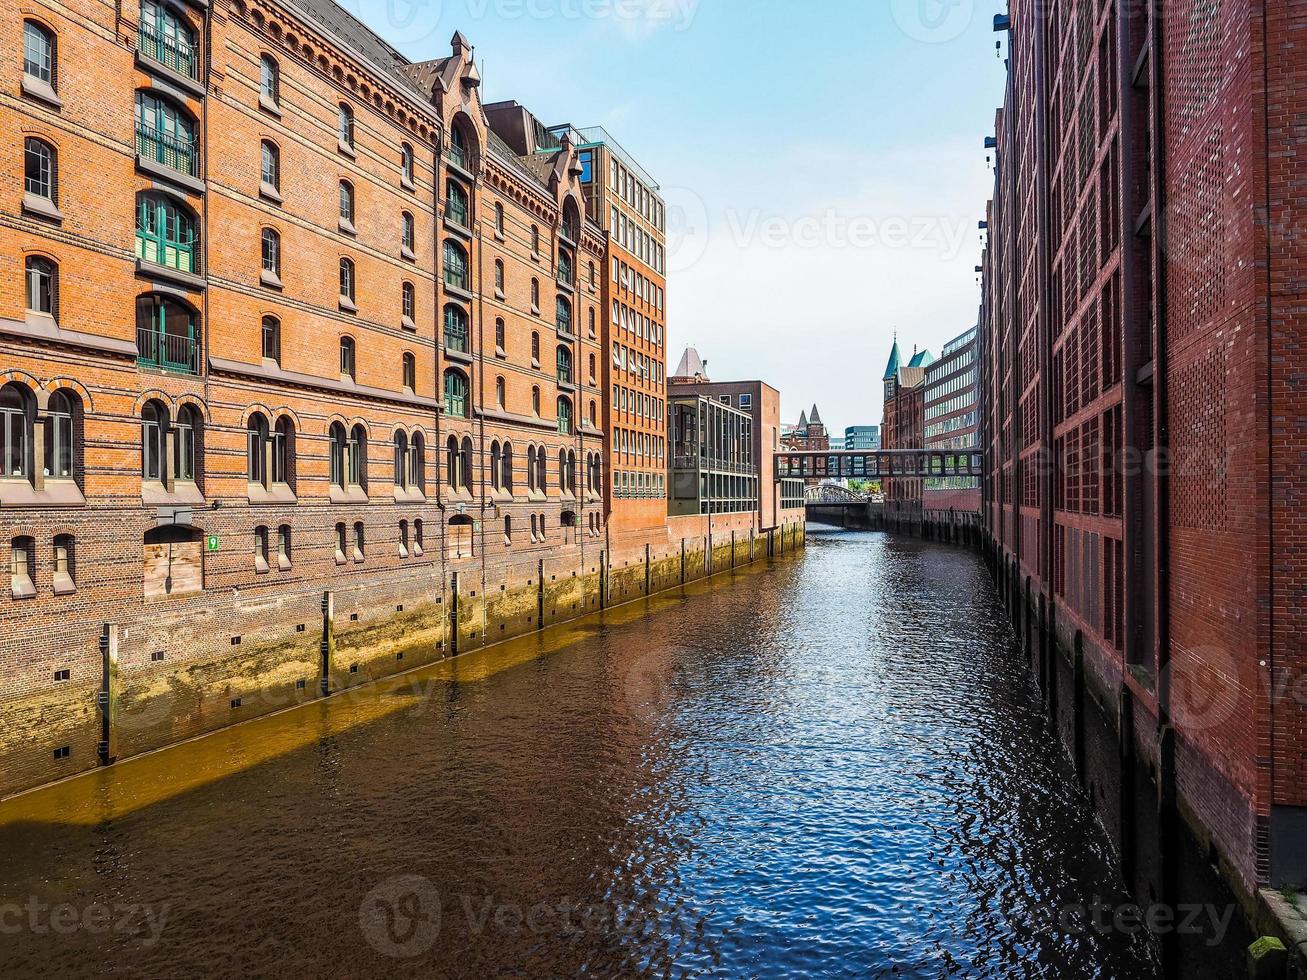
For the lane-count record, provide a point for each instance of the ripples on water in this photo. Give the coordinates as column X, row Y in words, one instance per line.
column 832, row 766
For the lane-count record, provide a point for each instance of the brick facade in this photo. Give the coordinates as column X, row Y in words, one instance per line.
column 350, row 506
column 1142, row 407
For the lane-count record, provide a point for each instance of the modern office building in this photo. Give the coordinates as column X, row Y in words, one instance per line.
column 952, row 409
column 688, row 388
column 862, row 437
column 623, row 200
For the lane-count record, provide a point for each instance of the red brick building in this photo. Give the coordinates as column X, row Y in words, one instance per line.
column 1141, row 340
column 903, row 426
column 300, row 373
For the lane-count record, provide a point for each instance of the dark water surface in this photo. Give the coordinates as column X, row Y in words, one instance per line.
column 830, row 766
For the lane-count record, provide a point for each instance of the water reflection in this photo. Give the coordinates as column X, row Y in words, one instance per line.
column 826, row 766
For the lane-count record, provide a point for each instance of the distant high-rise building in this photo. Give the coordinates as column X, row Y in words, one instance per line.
column 951, row 420
column 862, row 438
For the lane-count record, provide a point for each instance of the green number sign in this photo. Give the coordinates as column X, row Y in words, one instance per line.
column 213, row 542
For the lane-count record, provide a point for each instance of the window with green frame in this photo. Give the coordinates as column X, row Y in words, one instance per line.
column 166, row 38
column 456, row 272
column 564, row 417
column 456, row 394
column 165, row 233
column 165, row 133
column 455, row 328
column 456, row 203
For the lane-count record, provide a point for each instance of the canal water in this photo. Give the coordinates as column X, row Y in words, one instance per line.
column 829, row 765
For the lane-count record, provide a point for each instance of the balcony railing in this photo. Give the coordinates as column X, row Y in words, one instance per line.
column 172, row 151
column 170, row 52
column 171, row 352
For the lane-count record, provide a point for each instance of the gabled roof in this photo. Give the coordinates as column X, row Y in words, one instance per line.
column 895, row 362
column 911, row 377
column 691, row 366
column 815, row 417
column 803, row 420
column 921, row 359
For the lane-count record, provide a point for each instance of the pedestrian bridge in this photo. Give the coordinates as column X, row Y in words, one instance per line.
column 878, row 464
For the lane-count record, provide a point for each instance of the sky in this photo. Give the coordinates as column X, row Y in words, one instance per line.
column 822, row 161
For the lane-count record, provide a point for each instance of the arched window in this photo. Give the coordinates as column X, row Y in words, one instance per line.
column 186, row 443
column 542, row 470
column 591, row 329
column 564, row 417
column 348, row 363
column 564, row 271
column 42, row 286
column 165, row 133
column 535, row 240
column 456, row 271
column 458, row 147
column 535, row 295
column 591, row 374
column 168, row 39
column 406, row 163
column 571, row 471
column 410, row 371
column 271, row 333
column 499, row 276
column 418, row 544
column 563, row 313
column 594, row 413
column 270, row 168
column 535, row 348
column 40, row 170
column 564, row 484
column 417, row 463
column 564, row 363
column 39, row 61
column 401, row 459
column 270, row 243
column 456, row 203
column 500, row 336
column 407, row 236
column 356, row 453
column 154, row 441
column 500, row 392
column 347, row 205
column 506, row 468
column 17, row 419
column 592, row 283
column 338, row 452
column 496, row 462
column 345, row 126
column 347, row 280
column 465, row 464
column 403, row 539
column 456, row 401
column 165, row 233
column 456, row 332
column 571, row 220
column 269, row 81
column 532, row 473
column 535, row 401
column 453, row 464
column 499, row 219
column 508, row 531
column 257, row 445
column 283, row 452
column 166, row 334
column 60, row 446
column 408, row 305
